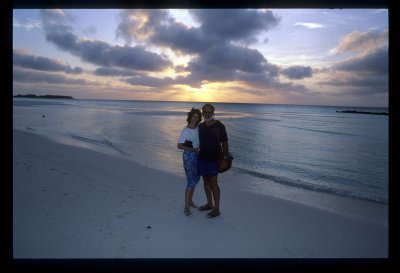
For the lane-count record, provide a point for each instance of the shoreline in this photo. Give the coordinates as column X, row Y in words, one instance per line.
column 73, row 202
column 329, row 201
column 57, row 126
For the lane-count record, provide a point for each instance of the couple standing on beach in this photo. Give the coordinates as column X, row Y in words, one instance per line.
column 202, row 142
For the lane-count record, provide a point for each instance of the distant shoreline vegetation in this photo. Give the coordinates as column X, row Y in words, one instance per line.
column 363, row 112
column 43, row 96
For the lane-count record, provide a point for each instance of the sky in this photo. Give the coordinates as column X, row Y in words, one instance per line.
column 335, row 57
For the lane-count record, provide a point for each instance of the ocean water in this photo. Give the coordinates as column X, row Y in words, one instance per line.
column 307, row 147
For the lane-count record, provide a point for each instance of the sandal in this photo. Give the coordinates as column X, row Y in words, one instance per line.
column 213, row 213
column 205, row 207
column 187, row 211
column 193, row 205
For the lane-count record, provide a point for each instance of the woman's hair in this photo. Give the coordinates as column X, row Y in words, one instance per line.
column 191, row 113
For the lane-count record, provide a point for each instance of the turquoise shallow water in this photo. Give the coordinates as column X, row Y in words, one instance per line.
column 310, row 147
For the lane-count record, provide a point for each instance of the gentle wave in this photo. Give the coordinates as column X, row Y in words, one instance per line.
column 268, row 119
column 103, row 142
column 302, row 185
column 318, row 131
column 157, row 113
column 37, row 103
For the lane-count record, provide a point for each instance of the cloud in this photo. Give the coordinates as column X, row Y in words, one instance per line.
column 137, row 25
column 217, row 48
column 27, row 24
column 309, row 25
column 360, row 85
column 227, row 62
column 158, row 27
column 297, row 72
column 236, row 24
column 214, row 45
column 99, row 52
column 89, row 30
column 149, row 81
column 110, row 71
column 367, row 71
column 181, row 38
column 232, row 57
column 42, row 63
column 376, row 62
column 362, row 42
column 31, row 76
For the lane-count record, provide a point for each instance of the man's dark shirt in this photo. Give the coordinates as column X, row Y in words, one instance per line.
column 210, row 140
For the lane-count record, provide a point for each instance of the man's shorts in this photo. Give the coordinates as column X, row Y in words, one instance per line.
column 207, row 168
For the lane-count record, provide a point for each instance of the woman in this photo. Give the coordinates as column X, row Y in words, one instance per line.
column 189, row 143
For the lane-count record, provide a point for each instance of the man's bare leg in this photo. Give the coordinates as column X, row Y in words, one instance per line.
column 208, row 190
column 215, row 191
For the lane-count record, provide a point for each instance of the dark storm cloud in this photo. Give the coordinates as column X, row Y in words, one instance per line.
column 31, row 76
column 98, row 52
column 374, row 62
column 297, row 72
column 42, row 63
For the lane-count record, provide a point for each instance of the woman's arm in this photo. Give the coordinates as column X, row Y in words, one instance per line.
column 183, row 147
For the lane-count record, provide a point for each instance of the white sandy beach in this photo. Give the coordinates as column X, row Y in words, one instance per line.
column 72, row 202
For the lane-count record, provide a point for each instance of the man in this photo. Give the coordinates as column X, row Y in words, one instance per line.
column 212, row 135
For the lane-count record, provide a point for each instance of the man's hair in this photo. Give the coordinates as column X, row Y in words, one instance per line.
column 208, row 105
column 191, row 113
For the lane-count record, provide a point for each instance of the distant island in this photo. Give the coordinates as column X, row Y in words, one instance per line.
column 43, row 97
column 363, row 112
